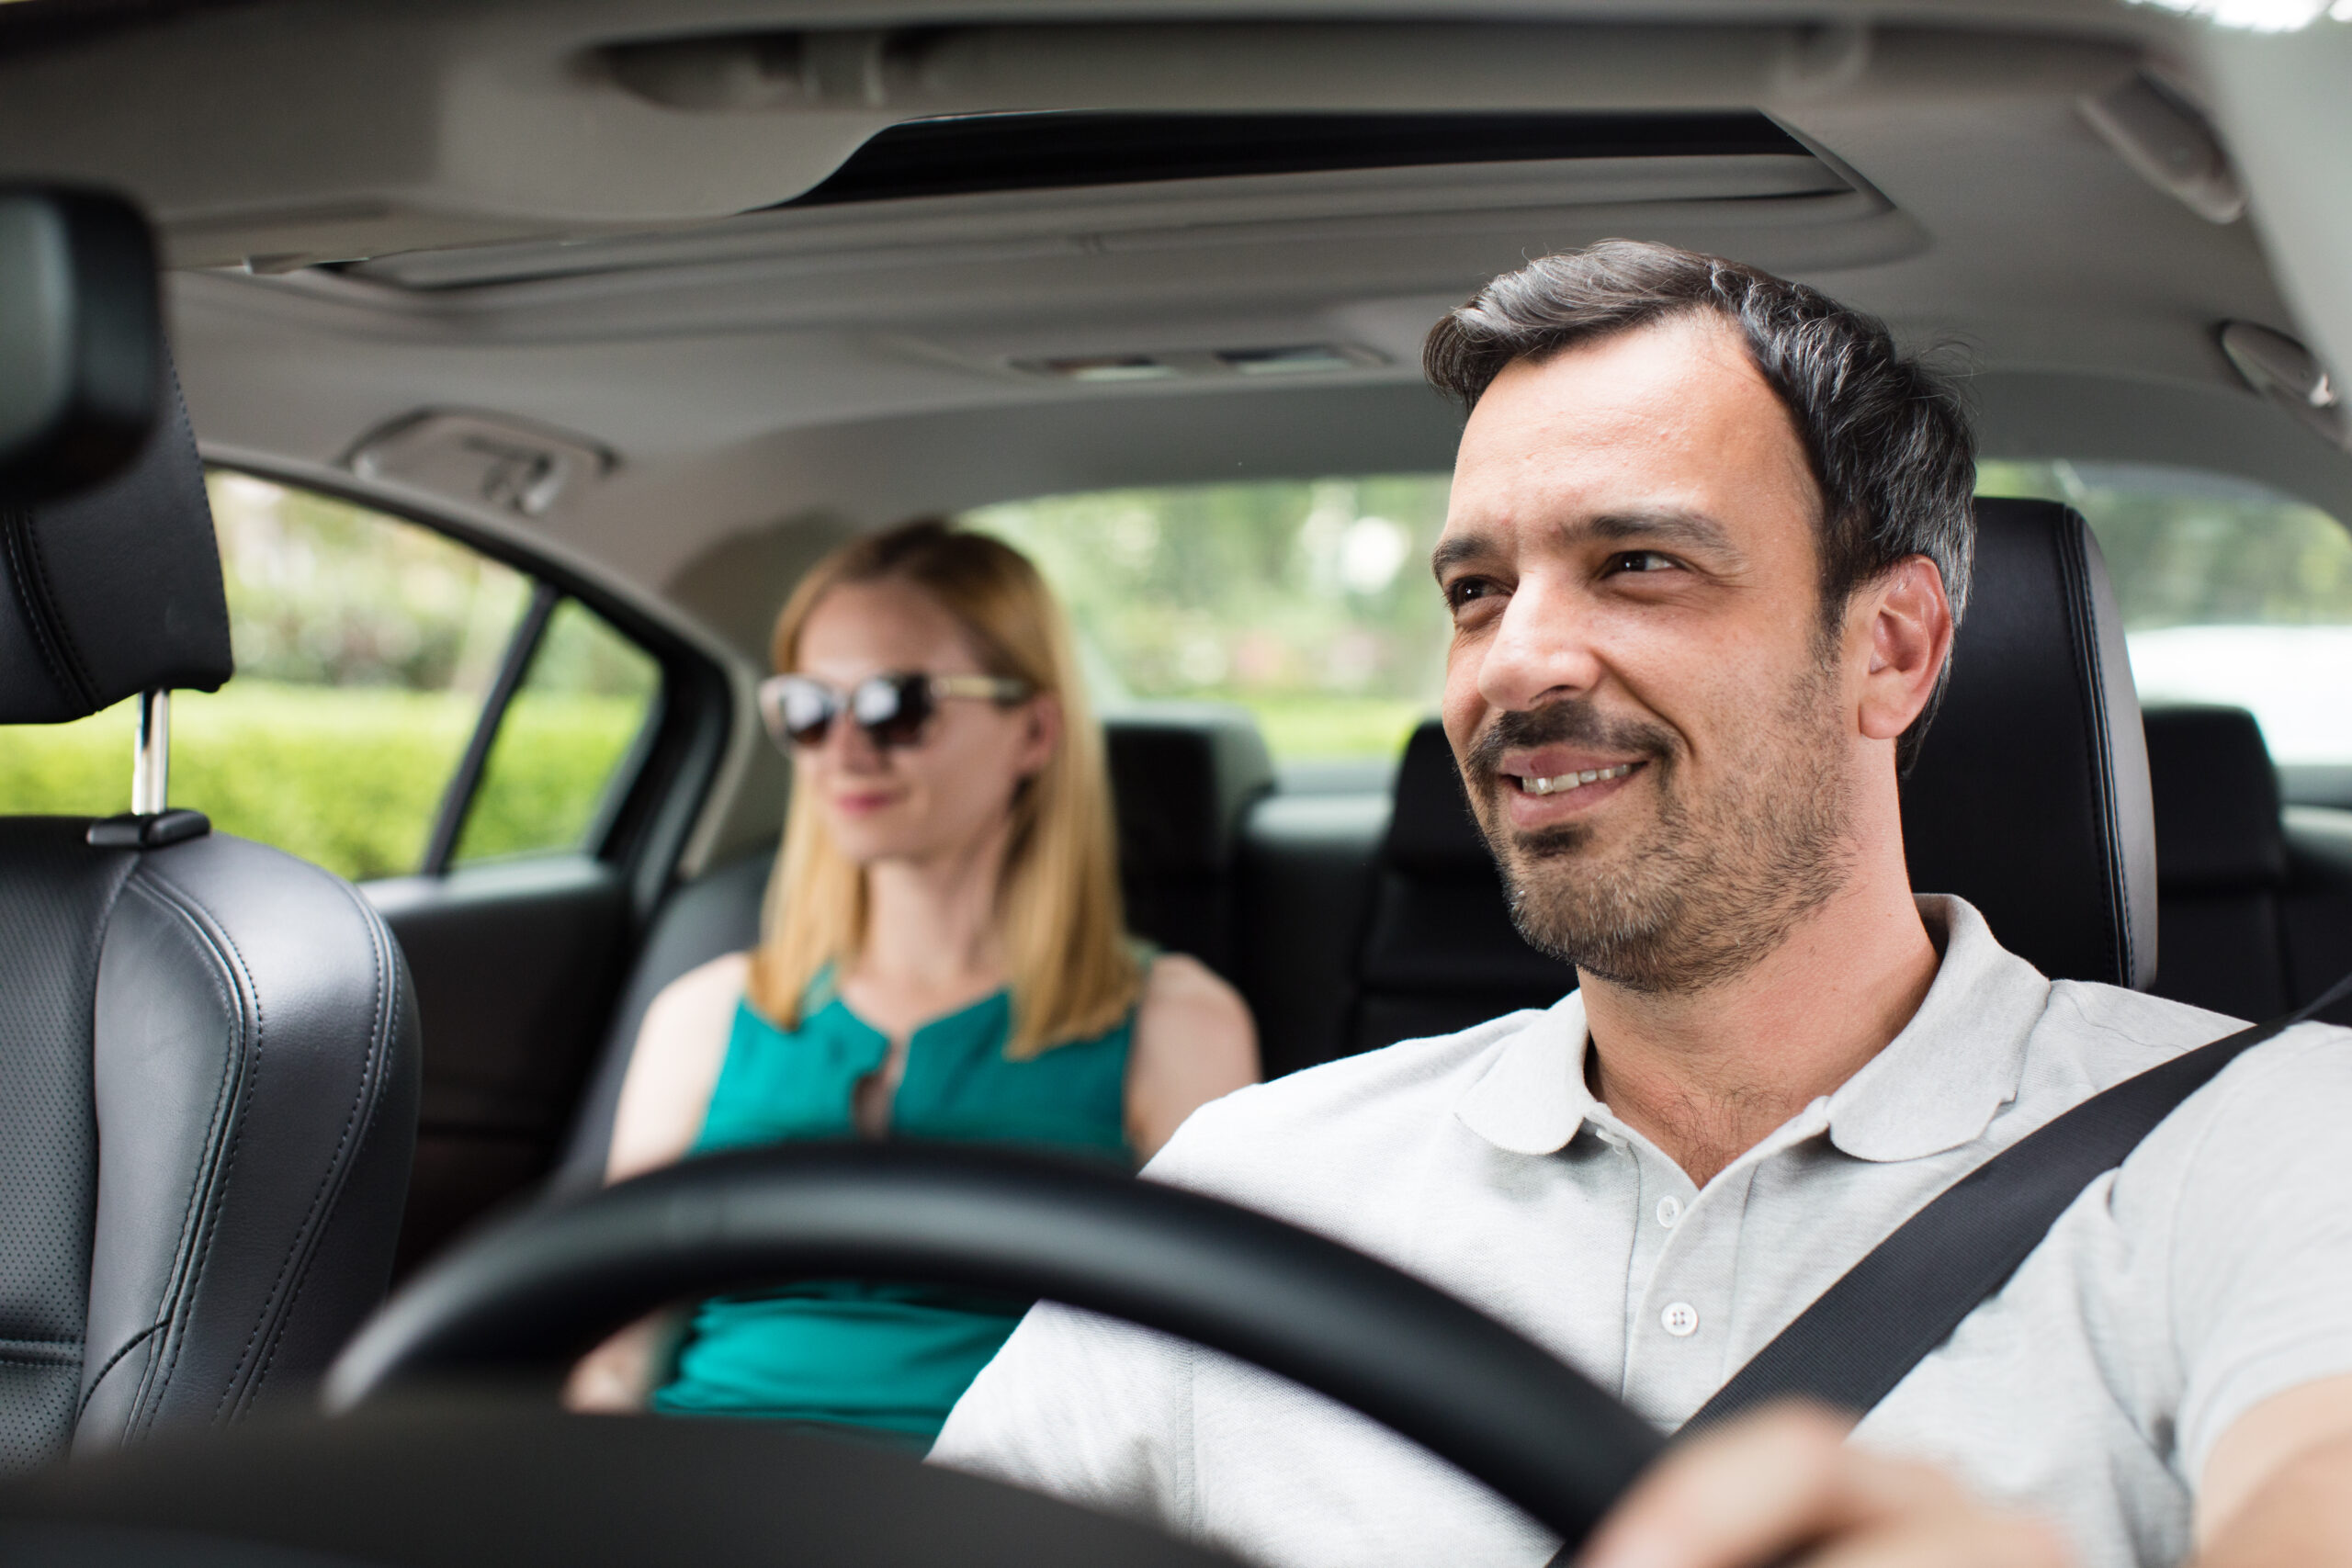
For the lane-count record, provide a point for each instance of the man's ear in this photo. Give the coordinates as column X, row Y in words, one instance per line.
column 1909, row 634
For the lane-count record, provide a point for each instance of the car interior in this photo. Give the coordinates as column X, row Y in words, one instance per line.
column 632, row 313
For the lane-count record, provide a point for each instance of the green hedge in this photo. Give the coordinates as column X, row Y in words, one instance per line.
column 349, row 777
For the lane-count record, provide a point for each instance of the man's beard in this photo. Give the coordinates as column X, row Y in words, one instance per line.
column 1719, row 882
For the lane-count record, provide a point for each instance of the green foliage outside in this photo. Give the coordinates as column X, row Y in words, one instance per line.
column 364, row 648
column 350, row 780
column 2188, row 549
column 1308, row 602
column 582, row 703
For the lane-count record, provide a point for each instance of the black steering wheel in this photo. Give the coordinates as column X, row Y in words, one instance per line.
column 527, row 1298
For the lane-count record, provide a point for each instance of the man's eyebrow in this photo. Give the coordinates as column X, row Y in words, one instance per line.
column 1661, row 526
column 1665, row 525
column 1456, row 550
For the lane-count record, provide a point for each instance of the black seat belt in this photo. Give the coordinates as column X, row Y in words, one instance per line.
column 1884, row 1316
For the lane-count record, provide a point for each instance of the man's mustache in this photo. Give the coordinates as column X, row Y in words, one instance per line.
column 1571, row 721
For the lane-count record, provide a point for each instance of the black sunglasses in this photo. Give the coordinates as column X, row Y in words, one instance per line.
column 891, row 708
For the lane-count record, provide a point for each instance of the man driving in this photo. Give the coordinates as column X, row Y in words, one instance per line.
column 1708, row 541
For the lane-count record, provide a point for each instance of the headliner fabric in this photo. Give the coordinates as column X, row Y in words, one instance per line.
column 115, row 590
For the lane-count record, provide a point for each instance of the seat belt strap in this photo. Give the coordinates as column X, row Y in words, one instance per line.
column 1885, row 1315
column 1866, row 1332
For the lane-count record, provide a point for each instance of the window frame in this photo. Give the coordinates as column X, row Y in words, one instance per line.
column 657, row 790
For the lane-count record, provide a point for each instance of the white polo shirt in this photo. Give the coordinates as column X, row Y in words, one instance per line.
column 2213, row 1270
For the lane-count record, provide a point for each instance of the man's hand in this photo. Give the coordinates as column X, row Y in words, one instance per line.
column 1784, row 1485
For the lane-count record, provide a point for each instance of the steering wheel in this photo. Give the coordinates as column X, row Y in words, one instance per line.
column 523, row 1299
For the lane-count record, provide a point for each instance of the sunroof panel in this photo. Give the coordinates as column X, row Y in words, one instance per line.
column 969, row 154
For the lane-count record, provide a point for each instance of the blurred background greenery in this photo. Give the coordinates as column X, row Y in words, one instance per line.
column 1309, row 603
column 365, row 649
column 367, row 646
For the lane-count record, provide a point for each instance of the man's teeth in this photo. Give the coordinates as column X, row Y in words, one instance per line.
column 1574, row 781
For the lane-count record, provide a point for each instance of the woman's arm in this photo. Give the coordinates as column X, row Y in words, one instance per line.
column 672, row 1070
column 1194, row 1042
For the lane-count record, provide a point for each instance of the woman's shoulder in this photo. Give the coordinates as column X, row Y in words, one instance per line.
column 705, row 993
column 1185, row 999
column 1181, row 982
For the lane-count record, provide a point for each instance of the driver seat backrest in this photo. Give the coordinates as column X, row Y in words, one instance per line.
column 208, row 1051
column 2029, row 799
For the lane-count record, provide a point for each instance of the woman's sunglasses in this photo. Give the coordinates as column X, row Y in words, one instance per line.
column 891, row 708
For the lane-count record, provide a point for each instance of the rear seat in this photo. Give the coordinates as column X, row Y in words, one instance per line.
column 1183, row 778
column 1438, row 952
column 2254, row 905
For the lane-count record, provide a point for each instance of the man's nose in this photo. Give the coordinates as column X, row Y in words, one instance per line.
column 1542, row 650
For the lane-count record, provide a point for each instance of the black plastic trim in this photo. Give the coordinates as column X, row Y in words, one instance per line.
column 969, row 154
column 457, row 798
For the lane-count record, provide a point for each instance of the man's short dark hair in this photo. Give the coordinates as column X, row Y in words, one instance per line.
column 1887, row 439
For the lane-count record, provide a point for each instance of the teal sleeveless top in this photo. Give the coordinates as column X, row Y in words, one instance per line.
column 892, row 1359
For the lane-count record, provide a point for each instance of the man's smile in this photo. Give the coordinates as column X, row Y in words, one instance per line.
column 1562, row 782
column 1549, row 784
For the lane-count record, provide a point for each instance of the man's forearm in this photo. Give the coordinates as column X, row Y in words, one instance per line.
column 2300, row 1517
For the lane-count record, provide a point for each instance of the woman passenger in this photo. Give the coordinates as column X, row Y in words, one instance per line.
column 942, row 957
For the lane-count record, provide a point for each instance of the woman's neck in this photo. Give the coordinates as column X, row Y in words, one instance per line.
column 931, row 935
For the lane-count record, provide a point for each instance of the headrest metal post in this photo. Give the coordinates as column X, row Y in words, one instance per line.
column 151, row 762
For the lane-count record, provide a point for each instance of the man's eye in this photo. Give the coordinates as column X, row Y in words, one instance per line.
column 1461, row 591
column 1642, row 560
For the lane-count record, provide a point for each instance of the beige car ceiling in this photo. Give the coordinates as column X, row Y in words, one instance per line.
column 558, row 219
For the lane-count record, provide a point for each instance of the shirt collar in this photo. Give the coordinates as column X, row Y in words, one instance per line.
column 1937, row 1085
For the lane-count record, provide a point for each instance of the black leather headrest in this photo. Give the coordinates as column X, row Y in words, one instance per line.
column 1430, row 832
column 2031, row 797
column 115, row 589
column 2217, row 800
column 1182, row 776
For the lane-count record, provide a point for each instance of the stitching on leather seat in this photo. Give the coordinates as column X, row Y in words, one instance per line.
column 226, row 1168
column 29, row 572
column 200, row 1219
column 384, row 1015
column 304, row 1234
column 126, row 1346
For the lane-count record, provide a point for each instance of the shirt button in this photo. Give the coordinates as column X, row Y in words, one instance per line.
column 1669, row 1211
column 1680, row 1319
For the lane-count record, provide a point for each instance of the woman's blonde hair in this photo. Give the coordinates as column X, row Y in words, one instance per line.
column 1073, row 971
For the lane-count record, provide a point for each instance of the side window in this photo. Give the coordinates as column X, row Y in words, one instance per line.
column 2230, row 592
column 1307, row 601
column 582, row 702
column 375, row 659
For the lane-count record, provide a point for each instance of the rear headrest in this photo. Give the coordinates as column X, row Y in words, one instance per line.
column 2031, row 797
column 2217, row 799
column 1431, row 833
column 1182, row 774
column 115, row 590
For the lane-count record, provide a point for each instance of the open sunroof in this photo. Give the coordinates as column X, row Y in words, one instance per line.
column 966, row 154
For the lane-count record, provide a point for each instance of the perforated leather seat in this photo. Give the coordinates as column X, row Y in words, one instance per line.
column 1181, row 779
column 208, row 1048
column 2029, row 799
